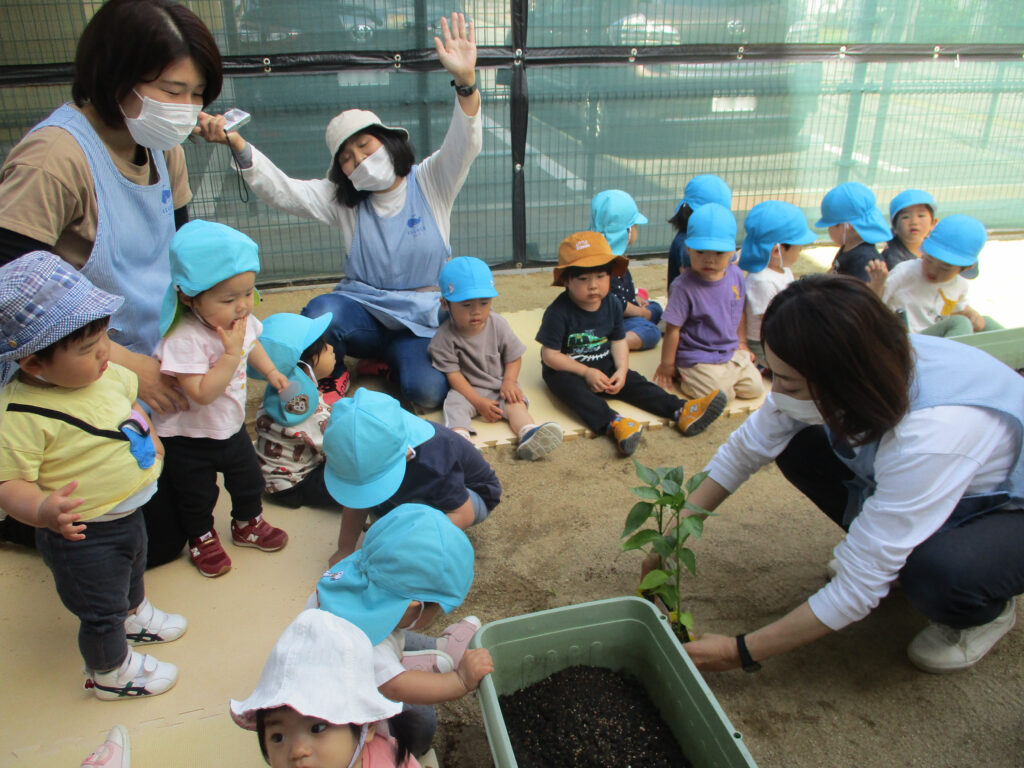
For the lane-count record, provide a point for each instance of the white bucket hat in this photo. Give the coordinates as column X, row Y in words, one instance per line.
column 321, row 666
column 349, row 123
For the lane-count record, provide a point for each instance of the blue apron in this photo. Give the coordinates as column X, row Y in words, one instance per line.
column 948, row 373
column 134, row 228
column 392, row 257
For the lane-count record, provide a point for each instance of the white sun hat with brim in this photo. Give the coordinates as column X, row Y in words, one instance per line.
column 349, row 123
column 322, row 667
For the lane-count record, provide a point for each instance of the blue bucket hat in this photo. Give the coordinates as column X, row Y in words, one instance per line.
column 907, row 198
column 412, row 553
column 771, row 223
column 854, row 204
column 612, row 213
column 285, row 337
column 712, row 227
column 466, row 277
column 365, row 445
column 703, row 189
column 957, row 240
column 42, row 300
column 203, row 253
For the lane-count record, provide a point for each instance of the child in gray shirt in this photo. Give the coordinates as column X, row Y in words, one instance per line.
column 481, row 357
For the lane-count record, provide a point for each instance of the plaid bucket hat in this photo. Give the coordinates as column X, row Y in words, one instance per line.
column 42, row 300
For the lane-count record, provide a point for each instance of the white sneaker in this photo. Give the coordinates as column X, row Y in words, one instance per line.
column 139, row 675
column 540, row 441
column 149, row 625
column 115, row 752
column 938, row 648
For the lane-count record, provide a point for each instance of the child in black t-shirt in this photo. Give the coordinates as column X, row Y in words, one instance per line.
column 584, row 353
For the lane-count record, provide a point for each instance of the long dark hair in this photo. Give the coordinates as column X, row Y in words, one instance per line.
column 681, row 217
column 402, row 158
column 132, row 41
column 852, row 349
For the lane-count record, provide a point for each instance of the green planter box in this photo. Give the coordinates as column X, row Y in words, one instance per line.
column 1006, row 345
column 624, row 633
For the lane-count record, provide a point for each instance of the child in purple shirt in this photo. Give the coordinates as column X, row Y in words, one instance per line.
column 704, row 323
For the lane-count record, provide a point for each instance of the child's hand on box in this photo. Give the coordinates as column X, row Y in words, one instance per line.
column 55, row 513
column 475, row 663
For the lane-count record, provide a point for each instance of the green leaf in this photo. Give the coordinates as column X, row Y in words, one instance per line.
column 664, row 547
column 686, row 619
column 646, row 474
column 675, row 475
column 645, row 492
column 653, row 580
column 640, row 539
column 670, row 487
column 670, row 595
column 693, row 525
column 694, row 481
column 687, row 558
column 637, row 516
column 698, row 510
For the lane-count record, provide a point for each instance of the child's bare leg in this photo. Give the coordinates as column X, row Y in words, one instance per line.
column 352, row 521
column 633, row 341
column 463, row 516
column 518, row 417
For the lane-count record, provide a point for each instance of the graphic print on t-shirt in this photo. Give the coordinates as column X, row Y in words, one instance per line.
column 586, row 347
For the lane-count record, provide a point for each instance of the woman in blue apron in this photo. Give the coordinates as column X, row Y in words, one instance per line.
column 394, row 217
column 102, row 181
column 913, row 446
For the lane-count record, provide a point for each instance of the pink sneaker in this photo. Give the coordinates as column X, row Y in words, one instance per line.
column 427, row 661
column 455, row 639
column 115, row 752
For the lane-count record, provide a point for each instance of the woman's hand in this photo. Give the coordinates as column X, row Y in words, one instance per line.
column 714, row 653
column 211, row 128
column 457, row 49
column 162, row 392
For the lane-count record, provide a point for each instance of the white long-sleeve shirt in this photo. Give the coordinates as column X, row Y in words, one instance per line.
column 922, row 468
column 440, row 176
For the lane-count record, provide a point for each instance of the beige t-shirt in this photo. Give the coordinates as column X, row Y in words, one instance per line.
column 47, row 191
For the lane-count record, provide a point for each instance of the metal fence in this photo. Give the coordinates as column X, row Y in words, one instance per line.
column 781, row 99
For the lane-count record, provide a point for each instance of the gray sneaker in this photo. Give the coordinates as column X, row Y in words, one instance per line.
column 540, row 441
column 939, row 649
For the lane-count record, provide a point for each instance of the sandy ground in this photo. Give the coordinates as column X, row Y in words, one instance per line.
column 849, row 699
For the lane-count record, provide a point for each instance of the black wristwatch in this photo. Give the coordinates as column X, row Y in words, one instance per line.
column 464, row 90
column 749, row 665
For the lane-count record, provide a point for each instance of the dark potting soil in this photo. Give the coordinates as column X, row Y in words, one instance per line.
column 588, row 716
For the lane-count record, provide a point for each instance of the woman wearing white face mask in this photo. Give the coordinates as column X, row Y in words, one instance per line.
column 911, row 444
column 394, row 216
column 102, row 181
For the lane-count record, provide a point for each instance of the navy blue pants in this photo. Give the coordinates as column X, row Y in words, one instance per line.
column 961, row 577
column 100, row 580
column 357, row 333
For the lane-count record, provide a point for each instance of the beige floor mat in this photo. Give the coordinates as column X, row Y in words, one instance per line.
column 545, row 408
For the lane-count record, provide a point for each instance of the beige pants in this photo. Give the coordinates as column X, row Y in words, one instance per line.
column 737, row 378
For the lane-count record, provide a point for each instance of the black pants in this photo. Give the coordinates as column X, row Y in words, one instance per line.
column 182, row 508
column 593, row 408
column 311, row 491
column 961, row 576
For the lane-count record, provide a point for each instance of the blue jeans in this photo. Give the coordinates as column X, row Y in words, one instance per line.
column 99, row 579
column 357, row 333
column 647, row 330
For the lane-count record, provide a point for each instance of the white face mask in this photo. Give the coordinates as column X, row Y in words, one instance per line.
column 161, row 126
column 801, row 410
column 375, row 174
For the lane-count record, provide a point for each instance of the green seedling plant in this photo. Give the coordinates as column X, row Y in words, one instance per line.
column 663, row 499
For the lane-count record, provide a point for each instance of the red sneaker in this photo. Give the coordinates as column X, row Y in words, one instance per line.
column 208, row 555
column 371, row 367
column 334, row 388
column 258, row 533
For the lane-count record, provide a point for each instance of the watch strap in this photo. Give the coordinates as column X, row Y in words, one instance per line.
column 746, row 661
column 464, row 90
